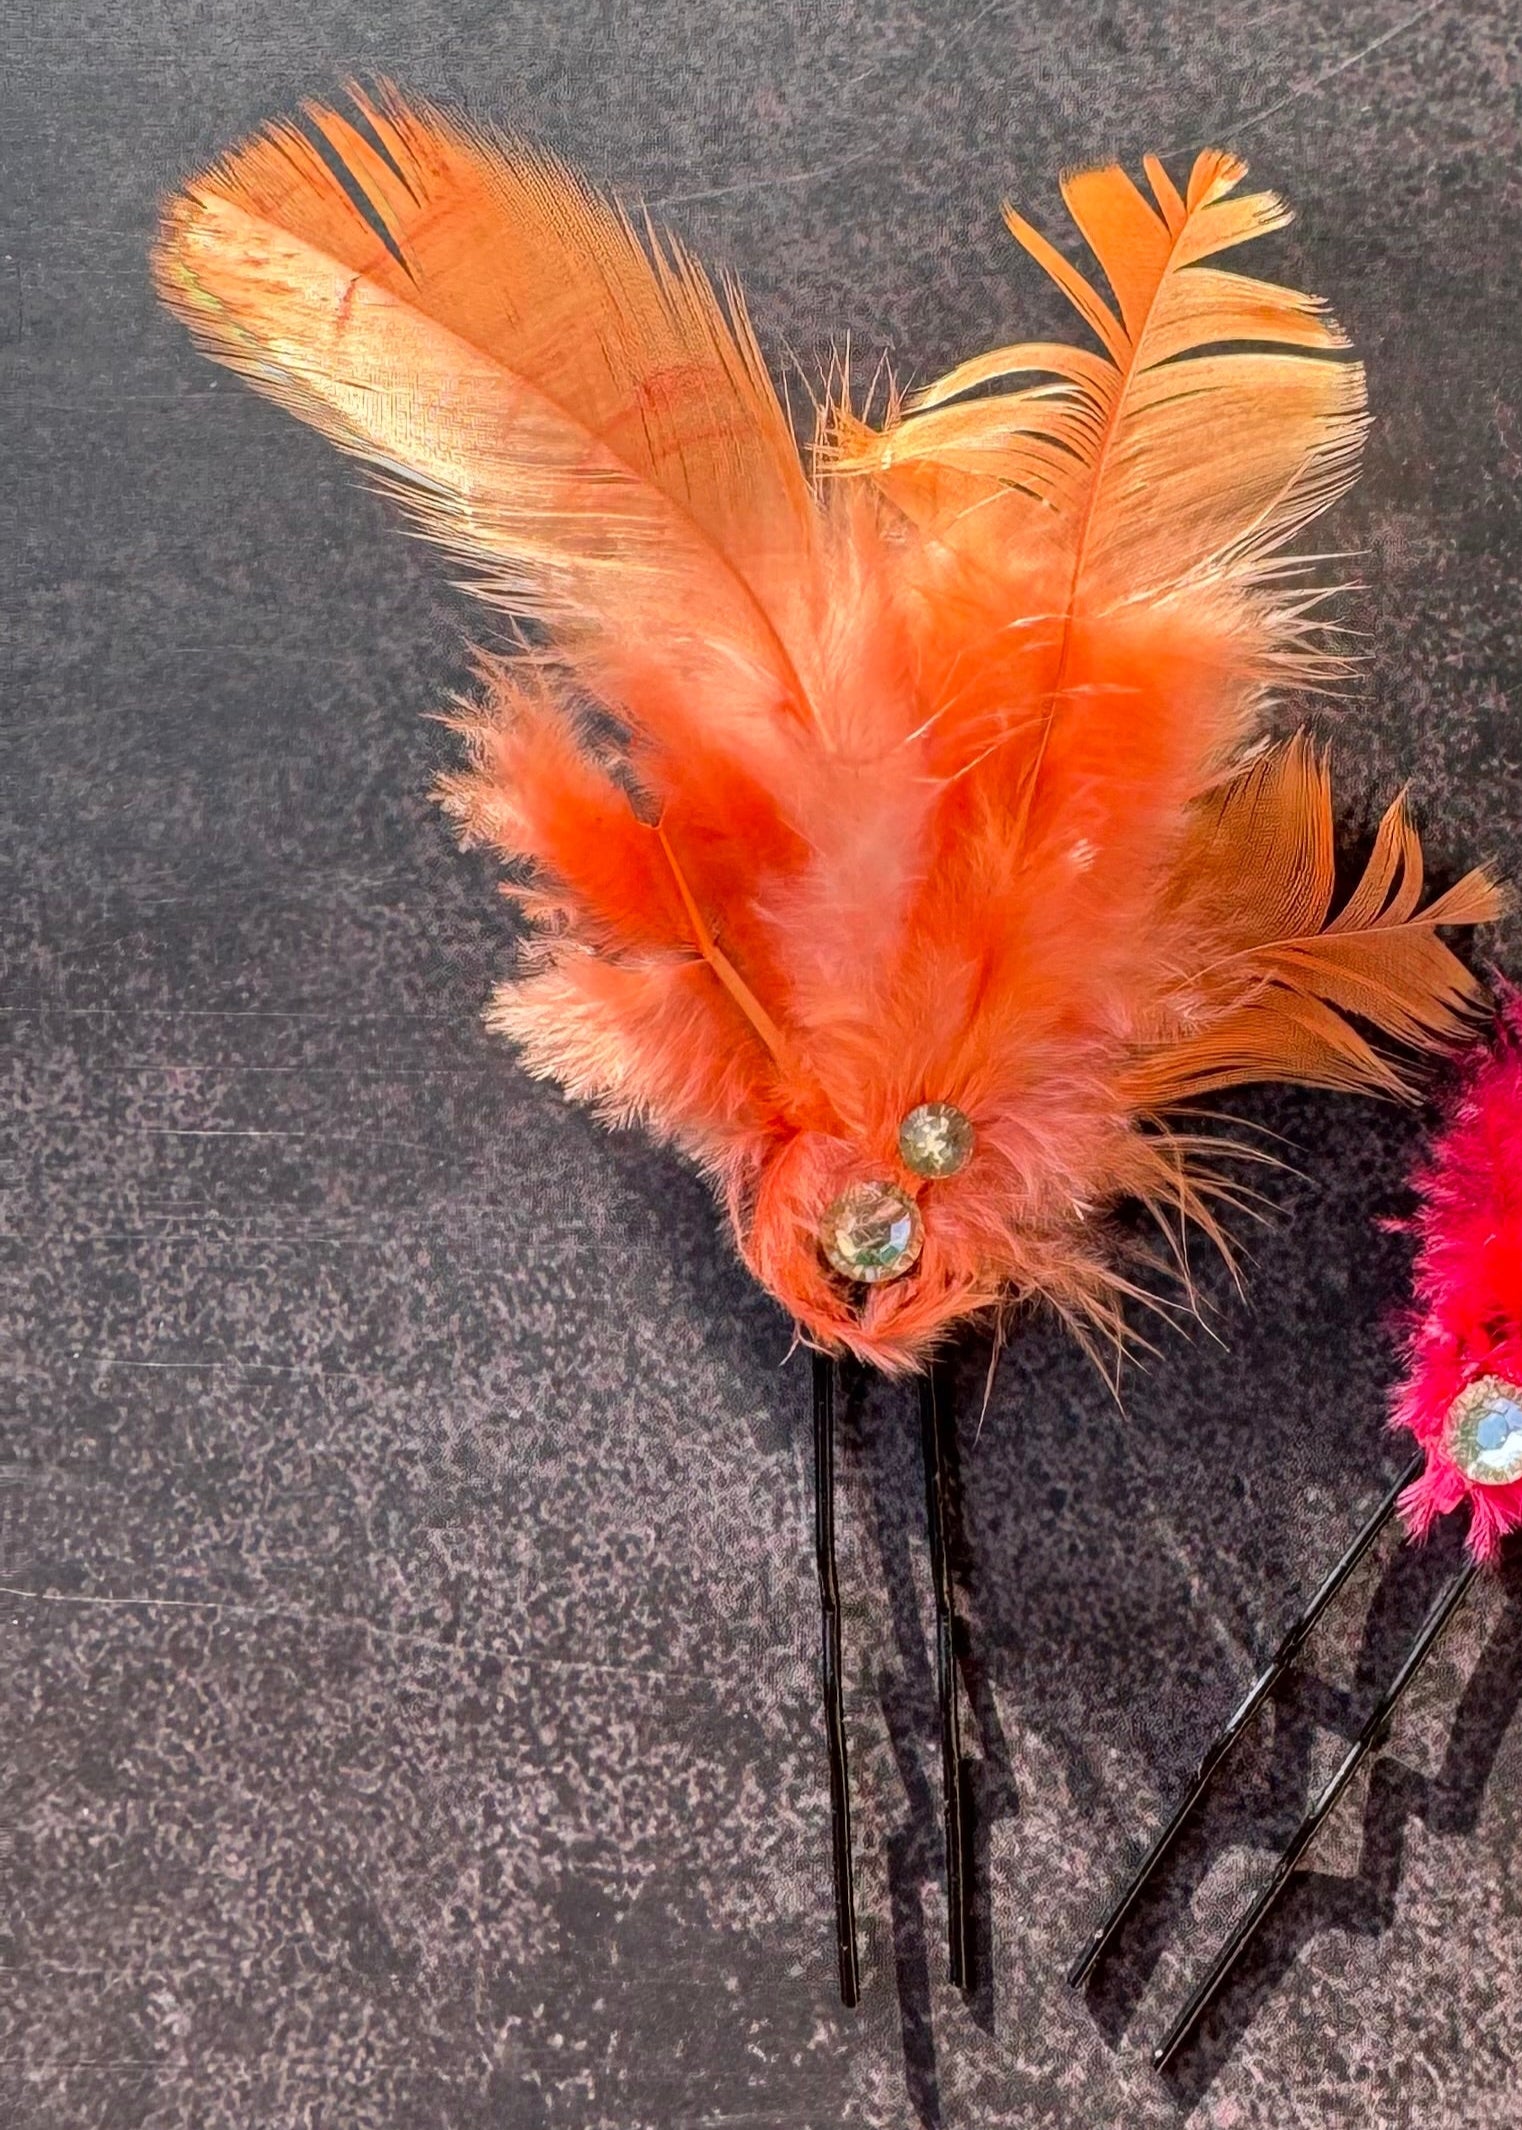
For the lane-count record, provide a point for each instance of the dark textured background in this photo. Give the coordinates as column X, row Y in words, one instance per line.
column 407, row 1704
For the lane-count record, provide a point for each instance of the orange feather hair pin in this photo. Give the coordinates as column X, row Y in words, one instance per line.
column 931, row 802
column 898, row 824
column 938, row 856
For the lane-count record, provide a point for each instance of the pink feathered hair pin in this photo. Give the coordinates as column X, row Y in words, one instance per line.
column 1461, row 1397
column 1462, row 1392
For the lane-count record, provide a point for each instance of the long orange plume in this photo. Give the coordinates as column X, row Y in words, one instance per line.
column 933, row 777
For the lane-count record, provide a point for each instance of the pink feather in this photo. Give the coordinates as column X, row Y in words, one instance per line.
column 1466, row 1322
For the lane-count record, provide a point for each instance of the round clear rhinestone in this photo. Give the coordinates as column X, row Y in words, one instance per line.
column 935, row 1140
column 873, row 1232
column 1484, row 1432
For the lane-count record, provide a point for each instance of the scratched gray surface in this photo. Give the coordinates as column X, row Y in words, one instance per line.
column 407, row 1714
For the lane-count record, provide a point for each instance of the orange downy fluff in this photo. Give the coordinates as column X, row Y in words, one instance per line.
column 935, row 776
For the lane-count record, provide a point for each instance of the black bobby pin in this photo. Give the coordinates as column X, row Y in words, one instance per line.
column 834, row 1698
column 936, row 1423
column 1368, row 1741
column 935, row 1417
column 1216, row 1753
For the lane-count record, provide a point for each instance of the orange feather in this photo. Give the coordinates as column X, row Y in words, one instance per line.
column 939, row 775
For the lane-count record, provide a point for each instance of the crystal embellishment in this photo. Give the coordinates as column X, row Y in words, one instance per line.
column 935, row 1140
column 873, row 1232
column 1484, row 1432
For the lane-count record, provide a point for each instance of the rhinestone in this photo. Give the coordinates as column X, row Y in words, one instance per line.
column 1484, row 1432
column 873, row 1232
column 935, row 1140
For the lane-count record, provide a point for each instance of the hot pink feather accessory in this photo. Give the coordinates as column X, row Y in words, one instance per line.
column 1461, row 1394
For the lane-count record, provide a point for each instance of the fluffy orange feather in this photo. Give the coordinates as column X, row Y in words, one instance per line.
column 936, row 772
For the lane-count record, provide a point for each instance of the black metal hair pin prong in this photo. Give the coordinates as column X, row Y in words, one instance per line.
column 934, row 1417
column 1368, row 1741
column 1217, row 1751
column 834, row 1697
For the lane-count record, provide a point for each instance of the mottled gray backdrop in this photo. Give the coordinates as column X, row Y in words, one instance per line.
column 407, row 1637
